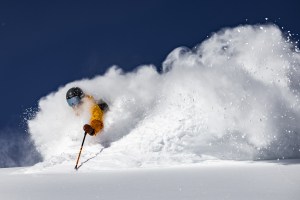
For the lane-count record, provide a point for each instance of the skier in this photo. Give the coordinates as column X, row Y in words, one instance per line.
column 79, row 102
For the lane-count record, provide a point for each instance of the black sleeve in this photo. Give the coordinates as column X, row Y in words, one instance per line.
column 103, row 106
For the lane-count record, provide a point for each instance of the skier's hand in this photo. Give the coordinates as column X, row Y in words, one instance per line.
column 88, row 129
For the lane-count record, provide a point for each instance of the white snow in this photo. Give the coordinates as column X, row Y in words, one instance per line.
column 231, row 180
column 194, row 131
column 235, row 96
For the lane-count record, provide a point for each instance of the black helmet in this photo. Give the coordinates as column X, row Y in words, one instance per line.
column 74, row 96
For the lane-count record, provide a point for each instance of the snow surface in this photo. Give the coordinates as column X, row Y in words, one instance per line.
column 273, row 180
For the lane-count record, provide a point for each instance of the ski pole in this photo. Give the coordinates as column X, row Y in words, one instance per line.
column 80, row 150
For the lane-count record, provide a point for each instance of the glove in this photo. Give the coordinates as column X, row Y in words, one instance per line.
column 88, row 129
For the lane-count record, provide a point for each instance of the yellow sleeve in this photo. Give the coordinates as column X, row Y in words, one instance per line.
column 96, row 120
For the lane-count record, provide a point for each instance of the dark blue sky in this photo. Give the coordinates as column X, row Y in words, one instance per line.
column 46, row 44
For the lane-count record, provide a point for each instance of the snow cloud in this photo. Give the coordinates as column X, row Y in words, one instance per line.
column 234, row 96
column 17, row 149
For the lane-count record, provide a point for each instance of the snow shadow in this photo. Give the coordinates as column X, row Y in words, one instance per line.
column 82, row 163
column 284, row 161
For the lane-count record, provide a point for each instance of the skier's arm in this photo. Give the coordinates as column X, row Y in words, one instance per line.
column 88, row 129
column 96, row 120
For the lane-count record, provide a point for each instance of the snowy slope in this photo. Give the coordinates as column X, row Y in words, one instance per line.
column 211, row 180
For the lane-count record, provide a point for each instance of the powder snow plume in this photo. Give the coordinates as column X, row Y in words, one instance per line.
column 235, row 96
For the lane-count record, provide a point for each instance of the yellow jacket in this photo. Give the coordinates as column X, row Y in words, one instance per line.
column 96, row 119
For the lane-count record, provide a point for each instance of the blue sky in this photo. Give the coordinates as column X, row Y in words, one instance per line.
column 46, row 44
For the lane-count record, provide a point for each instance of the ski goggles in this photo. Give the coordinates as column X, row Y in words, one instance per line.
column 74, row 101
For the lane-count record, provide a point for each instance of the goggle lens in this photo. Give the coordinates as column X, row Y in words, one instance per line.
column 74, row 101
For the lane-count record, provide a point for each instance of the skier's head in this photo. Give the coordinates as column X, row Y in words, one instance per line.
column 74, row 96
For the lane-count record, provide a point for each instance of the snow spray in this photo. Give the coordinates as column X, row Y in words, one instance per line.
column 234, row 96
